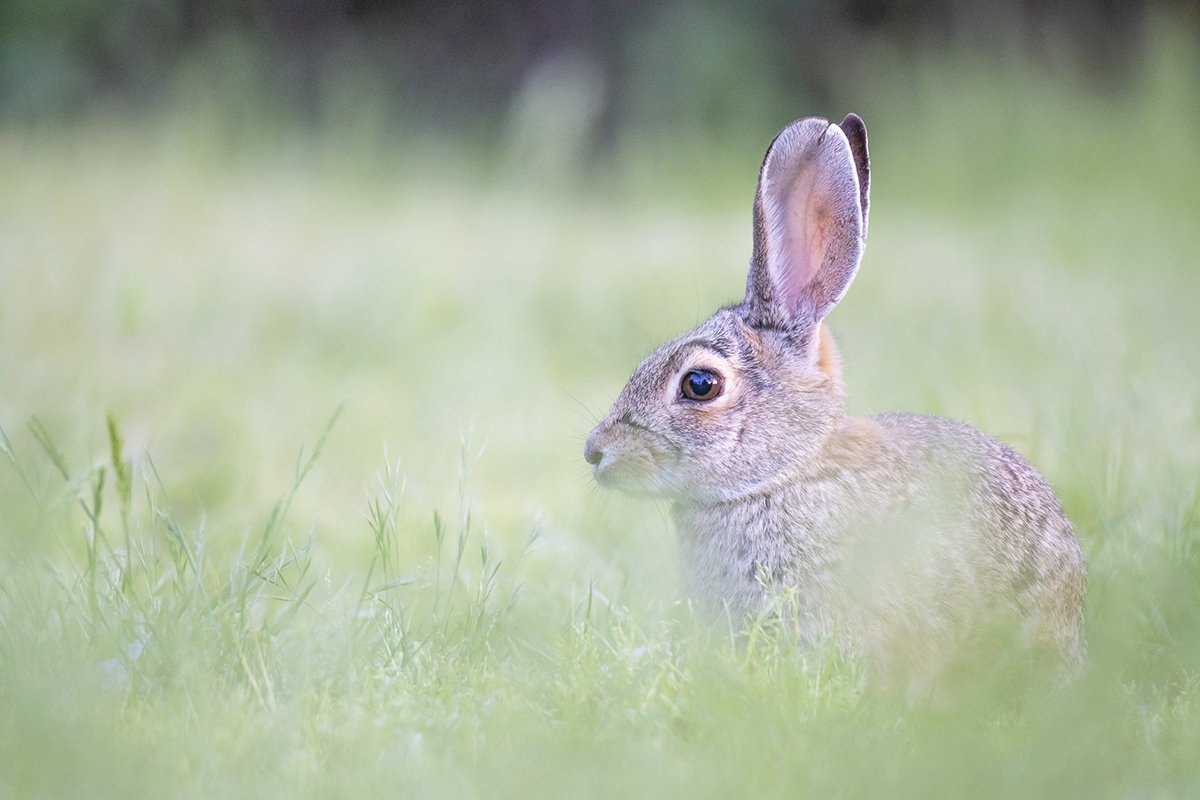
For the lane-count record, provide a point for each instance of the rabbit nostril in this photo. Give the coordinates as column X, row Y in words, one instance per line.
column 592, row 454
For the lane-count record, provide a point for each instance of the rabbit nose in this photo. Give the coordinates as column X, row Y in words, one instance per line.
column 592, row 452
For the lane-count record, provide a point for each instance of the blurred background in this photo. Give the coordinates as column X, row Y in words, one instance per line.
column 609, row 67
column 220, row 220
column 464, row 224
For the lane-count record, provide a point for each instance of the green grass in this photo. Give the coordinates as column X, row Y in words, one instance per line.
column 431, row 599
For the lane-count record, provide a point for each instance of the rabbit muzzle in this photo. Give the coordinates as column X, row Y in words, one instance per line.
column 630, row 458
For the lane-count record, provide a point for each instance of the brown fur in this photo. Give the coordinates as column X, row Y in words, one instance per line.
column 829, row 360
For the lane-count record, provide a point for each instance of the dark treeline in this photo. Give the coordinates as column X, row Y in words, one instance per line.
column 454, row 61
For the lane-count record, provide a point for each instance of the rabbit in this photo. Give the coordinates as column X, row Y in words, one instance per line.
column 905, row 536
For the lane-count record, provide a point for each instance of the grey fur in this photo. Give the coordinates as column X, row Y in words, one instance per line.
column 907, row 534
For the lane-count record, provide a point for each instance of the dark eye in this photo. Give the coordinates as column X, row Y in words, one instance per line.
column 700, row 385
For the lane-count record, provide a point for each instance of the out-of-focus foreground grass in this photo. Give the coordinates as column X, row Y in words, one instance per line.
column 477, row 621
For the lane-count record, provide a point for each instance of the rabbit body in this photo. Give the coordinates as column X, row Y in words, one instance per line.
column 906, row 535
column 910, row 533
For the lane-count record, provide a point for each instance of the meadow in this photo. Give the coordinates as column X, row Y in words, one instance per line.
column 292, row 496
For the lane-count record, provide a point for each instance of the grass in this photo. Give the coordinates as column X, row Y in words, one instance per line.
column 430, row 599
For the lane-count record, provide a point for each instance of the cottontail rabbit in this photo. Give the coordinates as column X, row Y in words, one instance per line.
column 908, row 534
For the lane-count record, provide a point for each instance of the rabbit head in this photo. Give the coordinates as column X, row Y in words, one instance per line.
column 750, row 396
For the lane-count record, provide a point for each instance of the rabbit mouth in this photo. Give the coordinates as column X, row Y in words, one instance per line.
column 635, row 471
column 633, row 465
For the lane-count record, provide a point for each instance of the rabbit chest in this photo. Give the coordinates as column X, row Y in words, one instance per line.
column 733, row 554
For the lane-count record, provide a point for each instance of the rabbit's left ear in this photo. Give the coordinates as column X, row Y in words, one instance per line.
column 810, row 222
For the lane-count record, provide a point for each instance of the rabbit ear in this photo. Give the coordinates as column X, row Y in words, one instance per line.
column 810, row 222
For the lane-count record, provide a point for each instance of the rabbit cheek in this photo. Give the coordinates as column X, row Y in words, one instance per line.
column 715, row 439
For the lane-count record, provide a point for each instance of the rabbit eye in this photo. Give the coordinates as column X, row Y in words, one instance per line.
column 700, row 385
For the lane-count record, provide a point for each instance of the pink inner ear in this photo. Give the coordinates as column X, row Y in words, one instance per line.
column 802, row 240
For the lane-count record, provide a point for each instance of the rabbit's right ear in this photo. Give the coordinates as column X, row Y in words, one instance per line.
column 810, row 222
